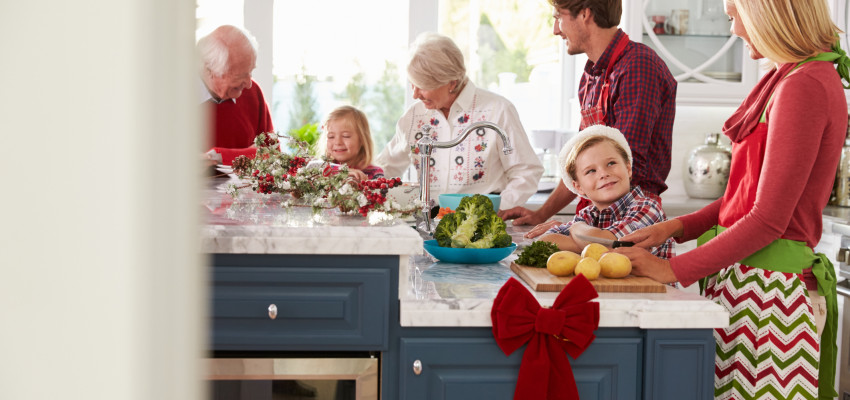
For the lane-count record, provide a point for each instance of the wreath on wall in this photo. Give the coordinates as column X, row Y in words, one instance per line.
column 313, row 182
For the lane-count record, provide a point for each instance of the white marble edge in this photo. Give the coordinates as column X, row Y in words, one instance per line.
column 376, row 240
column 429, row 303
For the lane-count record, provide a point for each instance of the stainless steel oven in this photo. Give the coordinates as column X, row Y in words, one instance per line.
column 293, row 378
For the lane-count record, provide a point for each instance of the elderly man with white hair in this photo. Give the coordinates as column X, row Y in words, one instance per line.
column 448, row 103
column 237, row 109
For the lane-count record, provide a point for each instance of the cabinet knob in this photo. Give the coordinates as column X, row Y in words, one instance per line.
column 417, row 367
column 272, row 311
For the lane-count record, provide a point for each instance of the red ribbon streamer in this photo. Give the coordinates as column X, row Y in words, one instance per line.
column 551, row 334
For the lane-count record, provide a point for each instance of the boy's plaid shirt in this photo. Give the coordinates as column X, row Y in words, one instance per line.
column 631, row 212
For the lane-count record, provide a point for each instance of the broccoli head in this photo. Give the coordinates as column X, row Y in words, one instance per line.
column 474, row 224
column 445, row 229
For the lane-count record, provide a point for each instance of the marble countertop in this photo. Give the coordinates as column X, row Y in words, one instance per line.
column 258, row 224
column 431, row 293
column 437, row 294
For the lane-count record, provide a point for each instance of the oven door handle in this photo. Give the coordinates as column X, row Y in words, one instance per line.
column 843, row 289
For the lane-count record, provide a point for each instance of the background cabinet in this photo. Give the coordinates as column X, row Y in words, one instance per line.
column 712, row 66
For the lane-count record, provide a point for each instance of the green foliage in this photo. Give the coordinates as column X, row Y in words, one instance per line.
column 303, row 109
column 355, row 90
column 309, row 134
column 386, row 106
column 537, row 254
column 474, row 224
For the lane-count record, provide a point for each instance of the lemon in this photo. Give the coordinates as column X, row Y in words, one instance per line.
column 562, row 263
column 615, row 265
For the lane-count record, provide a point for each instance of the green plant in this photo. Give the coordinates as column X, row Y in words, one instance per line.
column 303, row 109
column 308, row 133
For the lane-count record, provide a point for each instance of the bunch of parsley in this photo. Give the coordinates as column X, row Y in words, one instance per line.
column 537, row 254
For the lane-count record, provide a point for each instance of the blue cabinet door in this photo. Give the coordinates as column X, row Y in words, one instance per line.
column 475, row 368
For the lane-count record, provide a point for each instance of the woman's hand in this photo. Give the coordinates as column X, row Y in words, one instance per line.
column 654, row 235
column 648, row 265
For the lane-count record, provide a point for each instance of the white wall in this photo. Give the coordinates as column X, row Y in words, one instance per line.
column 689, row 129
column 101, row 293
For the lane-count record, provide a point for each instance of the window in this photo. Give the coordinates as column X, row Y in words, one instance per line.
column 342, row 52
column 210, row 14
column 510, row 49
column 339, row 52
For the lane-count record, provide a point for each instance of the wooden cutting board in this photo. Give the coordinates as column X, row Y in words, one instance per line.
column 542, row 281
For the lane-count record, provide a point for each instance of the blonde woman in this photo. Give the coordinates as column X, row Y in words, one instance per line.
column 448, row 103
column 758, row 238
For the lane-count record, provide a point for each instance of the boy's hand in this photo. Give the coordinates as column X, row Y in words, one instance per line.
column 541, row 228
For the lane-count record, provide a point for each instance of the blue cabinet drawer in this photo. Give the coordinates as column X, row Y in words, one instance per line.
column 316, row 308
column 475, row 368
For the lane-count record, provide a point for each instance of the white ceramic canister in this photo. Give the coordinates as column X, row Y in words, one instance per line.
column 707, row 168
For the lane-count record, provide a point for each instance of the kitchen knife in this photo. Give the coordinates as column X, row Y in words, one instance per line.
column 612, row 244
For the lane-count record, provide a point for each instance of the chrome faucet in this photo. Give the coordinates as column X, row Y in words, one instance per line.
column 426, row 146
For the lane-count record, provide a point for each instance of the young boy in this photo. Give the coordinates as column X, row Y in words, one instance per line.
column 597, row 164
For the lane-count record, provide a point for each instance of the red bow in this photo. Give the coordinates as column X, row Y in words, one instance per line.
column 568, row 326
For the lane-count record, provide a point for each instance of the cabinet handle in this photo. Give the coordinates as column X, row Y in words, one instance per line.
column 417, row 367
column 272, row 311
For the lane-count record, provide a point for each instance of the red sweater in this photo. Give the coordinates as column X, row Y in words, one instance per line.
column 807, row 123
column 235, row 125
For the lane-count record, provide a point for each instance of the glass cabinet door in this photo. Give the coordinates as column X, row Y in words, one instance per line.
column 712, row 66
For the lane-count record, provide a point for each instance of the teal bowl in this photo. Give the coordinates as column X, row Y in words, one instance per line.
column 452, row 200
column 467, row 256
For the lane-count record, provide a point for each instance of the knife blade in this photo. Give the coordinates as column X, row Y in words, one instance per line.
column 613, row 244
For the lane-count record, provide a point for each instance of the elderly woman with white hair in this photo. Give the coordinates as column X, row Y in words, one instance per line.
column 448, row 103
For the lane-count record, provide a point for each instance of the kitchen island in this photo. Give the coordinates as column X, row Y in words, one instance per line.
column 288, row 281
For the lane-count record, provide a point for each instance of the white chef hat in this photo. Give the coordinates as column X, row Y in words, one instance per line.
column 581, row 137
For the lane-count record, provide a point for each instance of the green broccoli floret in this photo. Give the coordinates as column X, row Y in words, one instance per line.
column 445, row 229
column 474, row 224
column 471, row 211
column 491, row 233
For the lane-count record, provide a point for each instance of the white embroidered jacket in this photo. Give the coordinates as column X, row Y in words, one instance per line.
column 476, row 165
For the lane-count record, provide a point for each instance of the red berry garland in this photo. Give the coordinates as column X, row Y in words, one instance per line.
column 375, row 191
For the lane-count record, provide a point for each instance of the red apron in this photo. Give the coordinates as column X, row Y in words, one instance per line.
column 595, row 115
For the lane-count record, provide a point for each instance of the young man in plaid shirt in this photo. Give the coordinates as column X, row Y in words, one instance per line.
column 597, row 165
column 625, row 85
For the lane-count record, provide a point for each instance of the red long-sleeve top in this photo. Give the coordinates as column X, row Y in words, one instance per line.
column 235, row 124
column 807, row 124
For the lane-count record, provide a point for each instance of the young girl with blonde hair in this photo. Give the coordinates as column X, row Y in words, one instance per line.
column 346, row 139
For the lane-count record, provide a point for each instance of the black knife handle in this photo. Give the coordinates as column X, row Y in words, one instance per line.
column 618, row 243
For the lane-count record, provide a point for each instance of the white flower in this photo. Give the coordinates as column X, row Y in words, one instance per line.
column 232, row 190
column 345, row 189
column 361, row 200
column 321, row 202
column 285, row 185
